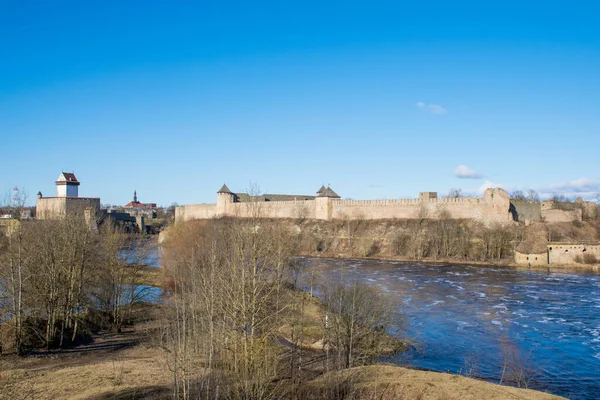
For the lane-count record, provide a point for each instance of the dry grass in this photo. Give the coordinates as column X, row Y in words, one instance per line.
column 141, row 373
column 308, row 323
column 128, row 373
column 391, row 382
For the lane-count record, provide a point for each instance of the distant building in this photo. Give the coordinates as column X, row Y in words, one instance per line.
column 67, row 200
column 560, row 253
column 138, row 209
column 245, row 197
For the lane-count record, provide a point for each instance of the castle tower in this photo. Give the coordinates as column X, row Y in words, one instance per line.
column 224, row 197
column 323, row 202
column 67, row 185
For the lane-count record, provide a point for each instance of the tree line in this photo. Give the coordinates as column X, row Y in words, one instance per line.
column 233, row 297
column 59, row 281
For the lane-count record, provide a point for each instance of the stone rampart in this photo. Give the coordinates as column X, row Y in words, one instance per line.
column 469, row 208
column 527, row 211
column 59, row 207
column 531, row 259
column 273, row 209
column 565, row 254
column 494, row 207
column 555, row 215
column 195, row 211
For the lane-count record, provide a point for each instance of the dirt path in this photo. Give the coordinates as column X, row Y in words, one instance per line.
column 103, row 346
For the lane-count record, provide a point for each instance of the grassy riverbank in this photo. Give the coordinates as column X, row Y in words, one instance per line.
column 235, row 327
column 438, row 240
column 133, row 365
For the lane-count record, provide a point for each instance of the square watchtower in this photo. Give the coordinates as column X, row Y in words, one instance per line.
column 67, row 185
column 427, row 196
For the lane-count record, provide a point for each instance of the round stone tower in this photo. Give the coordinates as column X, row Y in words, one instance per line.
column 224, row 197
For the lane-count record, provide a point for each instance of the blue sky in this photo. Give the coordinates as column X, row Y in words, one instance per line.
column 378, row 99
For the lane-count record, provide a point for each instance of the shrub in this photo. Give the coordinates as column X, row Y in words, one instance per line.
column 590, row 259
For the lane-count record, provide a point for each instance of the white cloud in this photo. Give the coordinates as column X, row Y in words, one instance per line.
column 489, row 184
column 478, row 192
column 587, row 188
column 464, row 172
column 432, row 108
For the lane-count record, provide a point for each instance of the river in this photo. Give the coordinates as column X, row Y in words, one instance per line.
column 467, row 319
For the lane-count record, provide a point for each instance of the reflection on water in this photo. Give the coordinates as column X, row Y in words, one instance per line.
column 144, row 254
column 152, row 257
column 463, row 317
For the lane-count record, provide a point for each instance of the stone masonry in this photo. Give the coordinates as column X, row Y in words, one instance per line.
column 494, row 207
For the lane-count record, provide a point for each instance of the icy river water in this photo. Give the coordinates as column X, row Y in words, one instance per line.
column 471, row 319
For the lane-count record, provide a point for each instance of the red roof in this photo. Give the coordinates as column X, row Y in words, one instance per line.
column 70, row 177
column 135, row 204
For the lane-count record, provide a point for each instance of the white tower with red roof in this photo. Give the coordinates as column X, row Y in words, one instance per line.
column 67, row 185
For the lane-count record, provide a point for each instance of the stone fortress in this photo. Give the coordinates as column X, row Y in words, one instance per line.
column 67, row 200
column 494, row 207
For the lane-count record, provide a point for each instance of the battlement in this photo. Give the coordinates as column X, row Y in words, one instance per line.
column 382, row 202
column 460, row 200
column 282, row 203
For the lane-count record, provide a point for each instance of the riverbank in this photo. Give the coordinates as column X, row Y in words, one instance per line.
column 460, row 242
column 131, row 365
column 477, row 319
column 450, row 261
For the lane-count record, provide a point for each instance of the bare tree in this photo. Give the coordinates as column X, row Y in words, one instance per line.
column 532, row 196
column 228, row 280
column 360, row 321
column 57, row 275
column 518, row 195
column 516, row 368
column 118, row 275
column 14, row 203
column 497, row 242
column 14, row 277
column 560, row 198
column 454, row 193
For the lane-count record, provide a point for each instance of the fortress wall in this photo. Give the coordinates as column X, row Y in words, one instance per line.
column 79, row 204
column 58, row 207
column 548, row 204
column 531, row 259
column 459, row 201
column 388, row 209
column 494, row 207
column 355, row 209
column 195, row 211
column 50, row 208
column 569, row 253
column 526, row 210
column 561, row 215
column 273, row 209
column 590, row 210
